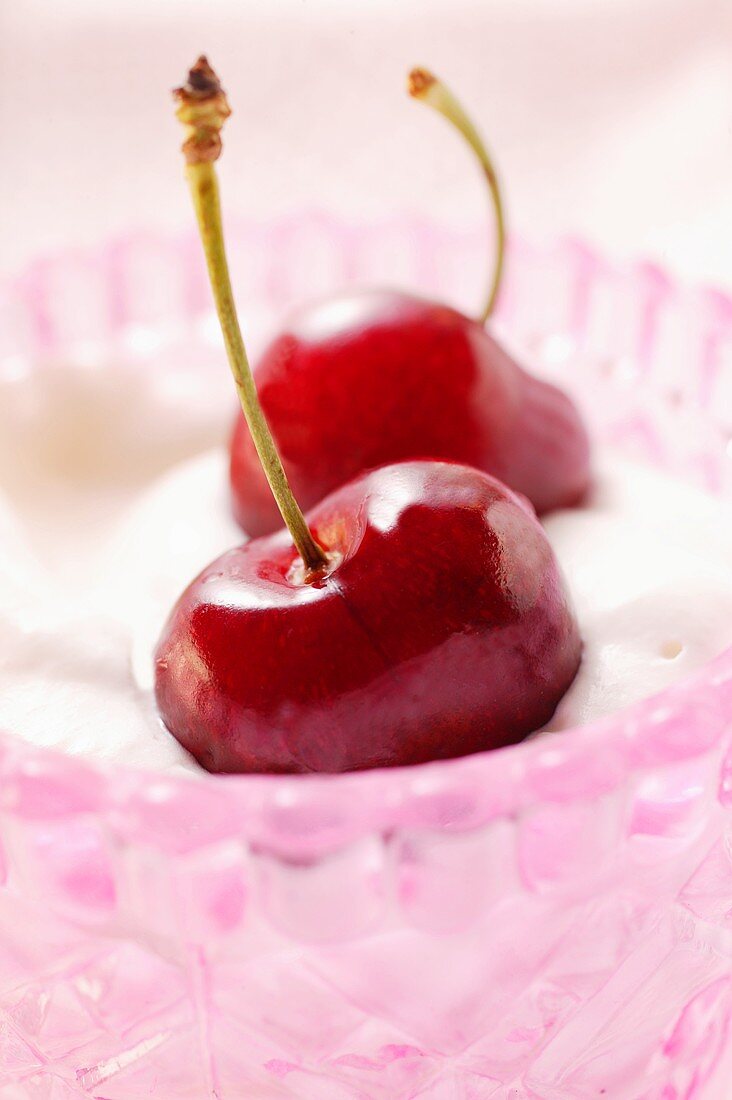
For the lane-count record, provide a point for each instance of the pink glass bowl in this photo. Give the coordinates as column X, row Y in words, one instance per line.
column 550, row 921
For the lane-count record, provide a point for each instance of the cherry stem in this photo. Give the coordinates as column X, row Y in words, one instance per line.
column 203, row 109
column 423, row 85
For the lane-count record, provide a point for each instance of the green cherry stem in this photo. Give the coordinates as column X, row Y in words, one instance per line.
column 203, row 109
column 430, row 90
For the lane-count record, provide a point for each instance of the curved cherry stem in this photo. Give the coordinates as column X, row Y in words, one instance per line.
column 423, row 85
column 203, row 109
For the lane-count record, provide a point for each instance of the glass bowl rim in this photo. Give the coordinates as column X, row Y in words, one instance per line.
column 302, row 814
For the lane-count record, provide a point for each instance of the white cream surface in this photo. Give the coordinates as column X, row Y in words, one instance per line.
column 90, row 569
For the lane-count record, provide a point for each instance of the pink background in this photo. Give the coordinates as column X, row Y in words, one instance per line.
column 610, row 118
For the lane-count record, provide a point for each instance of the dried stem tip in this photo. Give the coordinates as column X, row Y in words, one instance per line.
column 419, row 82
column 203, row 110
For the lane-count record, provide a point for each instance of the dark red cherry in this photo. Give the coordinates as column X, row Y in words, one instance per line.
column 440, row 627
column 376, row 377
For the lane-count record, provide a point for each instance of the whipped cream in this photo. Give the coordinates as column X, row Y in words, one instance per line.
column 92, row 559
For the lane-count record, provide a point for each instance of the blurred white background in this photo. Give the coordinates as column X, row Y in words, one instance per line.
column 609, row 118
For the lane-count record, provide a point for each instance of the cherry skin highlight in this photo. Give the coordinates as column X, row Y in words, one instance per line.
column 440, row 627
column 376, row 377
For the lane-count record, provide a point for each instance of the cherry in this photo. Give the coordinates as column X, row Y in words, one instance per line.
column 377, row 376
column 440, row 628
column 380, row 376
column 418, row 613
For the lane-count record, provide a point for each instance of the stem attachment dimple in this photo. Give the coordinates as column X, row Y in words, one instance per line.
column 203, row 109
column 423, row 85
